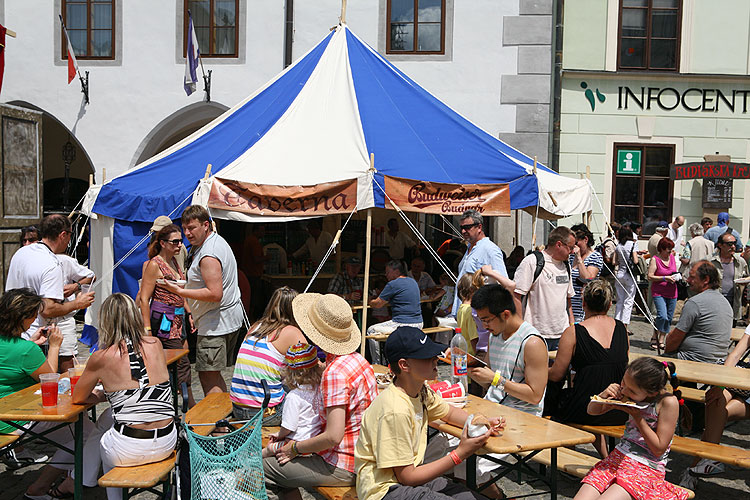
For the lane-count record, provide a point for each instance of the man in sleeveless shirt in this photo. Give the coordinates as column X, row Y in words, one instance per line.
column 214, row 298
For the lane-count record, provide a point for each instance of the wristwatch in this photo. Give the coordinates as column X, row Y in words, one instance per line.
column 78, row 286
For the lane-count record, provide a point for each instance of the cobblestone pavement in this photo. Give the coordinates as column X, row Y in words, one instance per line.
column 734, row 484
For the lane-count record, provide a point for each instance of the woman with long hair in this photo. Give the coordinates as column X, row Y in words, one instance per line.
column 585, row 265
column 261, row 357
column 21, row 364
column 165, row 313
column 661, row 273
column 133, row 371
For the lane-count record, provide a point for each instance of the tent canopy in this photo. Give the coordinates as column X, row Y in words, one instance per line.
column 318, row 122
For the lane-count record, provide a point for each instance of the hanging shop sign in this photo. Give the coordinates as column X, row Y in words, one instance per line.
column 710, row 170
column 264, row 199
column 448, row 199
column 717, row 193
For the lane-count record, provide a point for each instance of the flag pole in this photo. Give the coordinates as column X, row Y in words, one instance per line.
column 84, row 83
column 206, row 79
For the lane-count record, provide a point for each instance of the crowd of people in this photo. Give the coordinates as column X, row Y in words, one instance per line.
column 336, row 427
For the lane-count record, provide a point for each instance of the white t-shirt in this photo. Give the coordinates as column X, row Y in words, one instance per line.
column 547, row 305
column 425, row 281
column 396, row 245
column 72, row 272
column 302, row 409
column 35, row 266
column 676, row 235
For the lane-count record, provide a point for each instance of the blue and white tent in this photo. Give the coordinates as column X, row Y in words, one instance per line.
column 317, row 122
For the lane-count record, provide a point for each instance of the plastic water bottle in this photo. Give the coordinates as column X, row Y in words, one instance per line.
column 459, row 360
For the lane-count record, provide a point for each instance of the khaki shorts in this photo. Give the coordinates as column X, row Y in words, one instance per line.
column 214, row 353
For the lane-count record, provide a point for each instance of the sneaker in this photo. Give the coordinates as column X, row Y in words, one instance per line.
column 15, row 459
column 707, row 467
column 688, row 481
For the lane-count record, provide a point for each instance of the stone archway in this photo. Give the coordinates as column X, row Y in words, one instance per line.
column 176, row 127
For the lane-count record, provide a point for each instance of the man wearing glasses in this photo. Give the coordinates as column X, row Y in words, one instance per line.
column 731, row 267
column 36, row 266
column 548, row 292
column 481, row 251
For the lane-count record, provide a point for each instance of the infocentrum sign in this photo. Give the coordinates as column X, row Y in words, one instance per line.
column 690, row 99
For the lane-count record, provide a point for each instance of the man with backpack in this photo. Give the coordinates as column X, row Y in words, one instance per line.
column 543, row 283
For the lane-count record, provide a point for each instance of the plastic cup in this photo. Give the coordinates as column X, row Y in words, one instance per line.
column 86, row 288
column 74, row 374
column 49, row 389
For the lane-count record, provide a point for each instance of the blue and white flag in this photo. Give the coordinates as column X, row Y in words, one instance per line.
column 191, row 58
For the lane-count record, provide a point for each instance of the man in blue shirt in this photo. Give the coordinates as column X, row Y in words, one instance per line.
column 721, row 227
column 481, row 250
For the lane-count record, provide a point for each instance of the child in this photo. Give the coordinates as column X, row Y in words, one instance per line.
column 303, row 403
column 393, row 436
column 446, row 303
column 466, row 323
column 636, row 467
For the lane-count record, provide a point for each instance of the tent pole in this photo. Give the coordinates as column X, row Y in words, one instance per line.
column 533, row 219
column 368, row 246
column 366, row 287
column 338, row 254
column 342, row 19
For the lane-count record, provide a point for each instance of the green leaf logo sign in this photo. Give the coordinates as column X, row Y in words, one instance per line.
column 590, row 95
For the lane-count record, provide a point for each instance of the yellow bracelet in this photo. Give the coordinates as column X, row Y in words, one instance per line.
column 496, row 380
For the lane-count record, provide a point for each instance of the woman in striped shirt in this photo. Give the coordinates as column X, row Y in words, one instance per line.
column 261, row 357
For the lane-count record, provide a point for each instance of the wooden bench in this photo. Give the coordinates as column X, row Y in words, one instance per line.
column 693, row 394
column 731, row 455
column 8, row 439
column 576, row 464
column 140, row 478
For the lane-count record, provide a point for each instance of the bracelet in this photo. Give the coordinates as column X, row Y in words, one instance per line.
column 454, row 456
column 497, row 378
column 294, row 448
column 78, row 285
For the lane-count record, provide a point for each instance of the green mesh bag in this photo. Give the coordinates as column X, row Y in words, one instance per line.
column 228, row 467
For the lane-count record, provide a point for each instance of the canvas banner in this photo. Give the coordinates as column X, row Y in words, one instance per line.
column 448, row 199
column 264, row 199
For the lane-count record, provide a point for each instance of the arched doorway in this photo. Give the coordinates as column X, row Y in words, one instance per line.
column 176, row 127
column 61, row 152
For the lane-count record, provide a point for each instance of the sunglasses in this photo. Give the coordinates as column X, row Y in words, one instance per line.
column 466, row 227
column 29, row 240
column 176, row 241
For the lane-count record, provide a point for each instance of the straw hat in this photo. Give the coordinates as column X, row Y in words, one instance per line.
column 327, row 320
column 160, row 223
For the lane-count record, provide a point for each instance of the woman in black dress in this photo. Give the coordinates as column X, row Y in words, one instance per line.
column 596, row 349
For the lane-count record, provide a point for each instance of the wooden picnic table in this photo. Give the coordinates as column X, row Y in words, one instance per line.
column 26, row 405
column 702, row 373
column 737, row 334
column 523, row 433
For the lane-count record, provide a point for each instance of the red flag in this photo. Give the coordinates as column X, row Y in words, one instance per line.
column 2, row 54
column 72, row 63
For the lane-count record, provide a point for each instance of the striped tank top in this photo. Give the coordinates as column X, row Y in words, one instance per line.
column 507, row 356
column 257, row 360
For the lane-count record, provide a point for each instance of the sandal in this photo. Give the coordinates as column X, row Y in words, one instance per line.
column 55, row 492
column 654, row 342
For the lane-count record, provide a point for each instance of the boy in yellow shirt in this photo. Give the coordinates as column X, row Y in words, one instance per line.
column 393, row 436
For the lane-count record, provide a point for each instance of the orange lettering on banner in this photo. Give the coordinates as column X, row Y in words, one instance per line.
column 266, row 199
column 448, row 199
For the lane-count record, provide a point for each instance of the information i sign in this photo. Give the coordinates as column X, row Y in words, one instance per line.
column 628, row 161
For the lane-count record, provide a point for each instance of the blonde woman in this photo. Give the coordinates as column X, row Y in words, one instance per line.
column 261, row 357
column 133, row 371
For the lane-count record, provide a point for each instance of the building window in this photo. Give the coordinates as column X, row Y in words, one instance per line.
column 216, row 26
column 416, row 27
column 649, row 37
column 642, row 189
column 91, row 28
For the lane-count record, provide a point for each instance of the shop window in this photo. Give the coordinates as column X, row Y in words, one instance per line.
column 216, row 27
column 649, row 35
column 91, row 28
column 642, row 189
column 416, row 27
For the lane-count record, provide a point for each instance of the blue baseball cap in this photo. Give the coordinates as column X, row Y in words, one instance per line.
column 408, row 342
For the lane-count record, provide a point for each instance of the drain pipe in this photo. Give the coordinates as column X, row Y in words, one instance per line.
column 555, row 111
column 288, row 32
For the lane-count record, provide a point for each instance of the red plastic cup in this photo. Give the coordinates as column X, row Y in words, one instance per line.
column 49, row 389
column 74, row 374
